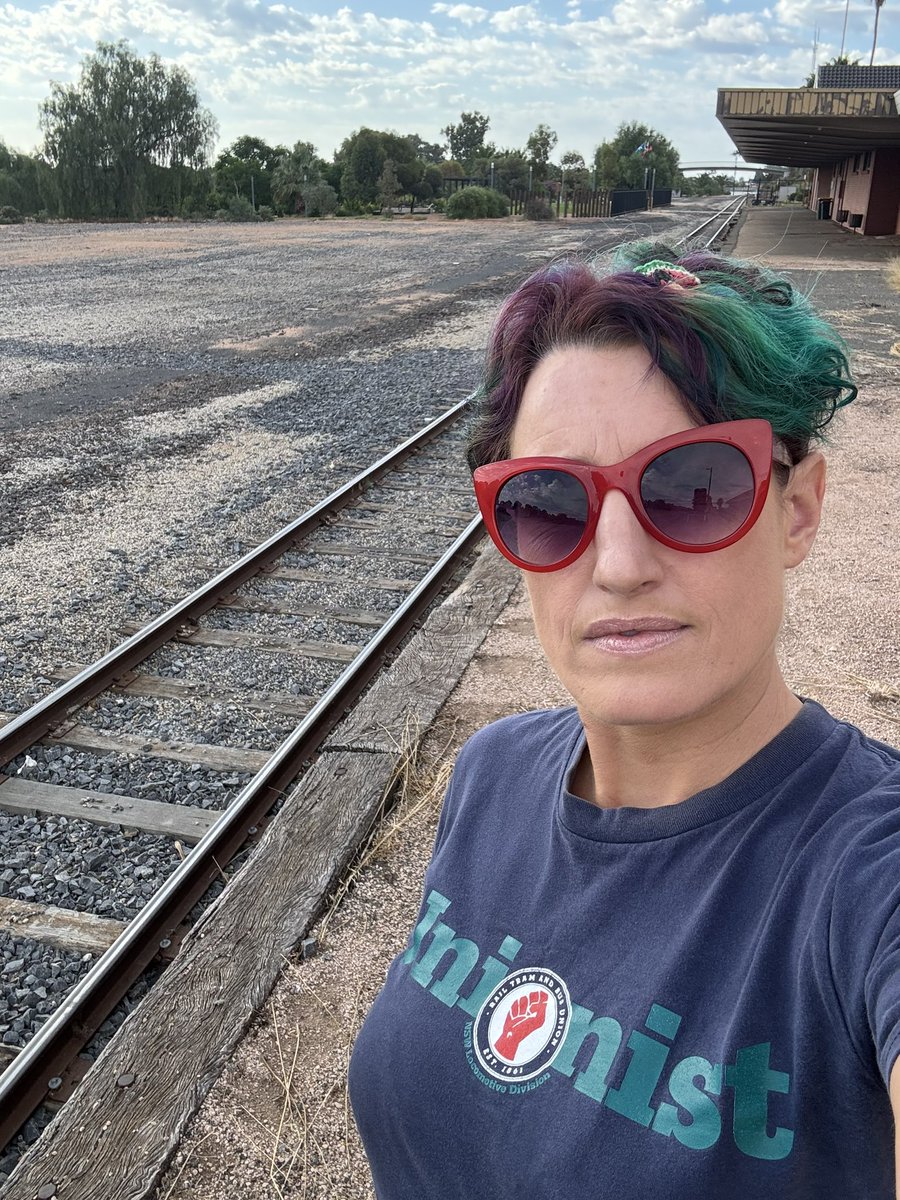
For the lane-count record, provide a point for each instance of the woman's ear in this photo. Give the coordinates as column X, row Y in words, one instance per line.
column 802, row 504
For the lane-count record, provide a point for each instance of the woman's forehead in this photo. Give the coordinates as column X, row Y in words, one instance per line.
column 598, row 404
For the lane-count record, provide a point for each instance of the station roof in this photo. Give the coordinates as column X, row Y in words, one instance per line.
column 808, row 127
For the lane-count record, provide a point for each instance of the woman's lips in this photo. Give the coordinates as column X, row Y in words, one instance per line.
column 637, row 635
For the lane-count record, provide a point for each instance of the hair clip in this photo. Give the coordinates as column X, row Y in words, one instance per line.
column 665, row 272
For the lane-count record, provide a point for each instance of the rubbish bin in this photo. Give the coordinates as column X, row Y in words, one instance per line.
column 824, row 208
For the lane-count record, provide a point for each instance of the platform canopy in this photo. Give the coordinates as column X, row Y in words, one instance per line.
column 808, row 127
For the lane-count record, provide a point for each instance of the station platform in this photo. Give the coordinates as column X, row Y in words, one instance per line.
column 792, row 232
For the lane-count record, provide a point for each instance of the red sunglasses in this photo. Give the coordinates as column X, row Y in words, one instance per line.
column 698, row 491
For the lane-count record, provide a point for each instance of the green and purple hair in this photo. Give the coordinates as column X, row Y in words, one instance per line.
column 733, row 338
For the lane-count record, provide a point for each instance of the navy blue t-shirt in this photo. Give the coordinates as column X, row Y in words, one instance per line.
column 695, row 1001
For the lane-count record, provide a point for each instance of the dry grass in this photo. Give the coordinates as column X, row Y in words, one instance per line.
column 295, row 1146
column 414, row 789
column 892, row 273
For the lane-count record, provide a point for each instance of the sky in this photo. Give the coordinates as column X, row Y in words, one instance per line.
column 315, row 70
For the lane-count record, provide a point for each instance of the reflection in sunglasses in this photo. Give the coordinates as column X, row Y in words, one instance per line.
column 695, row 494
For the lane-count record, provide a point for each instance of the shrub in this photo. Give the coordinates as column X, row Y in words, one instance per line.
column 349, row 208
column 10, row 215
column 438, row 204
column 538, row 209
column 476, row 202
column 265, row 213
column 319, row 200
column 497, row 203
column 239, row 208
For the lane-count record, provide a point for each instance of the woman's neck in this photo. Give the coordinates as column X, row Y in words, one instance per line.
column 649, row 766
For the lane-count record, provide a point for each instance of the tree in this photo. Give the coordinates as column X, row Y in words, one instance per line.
column 573, row 165
column 606, row 165
column 428, row 152
column 540, row 146
column 26, row 183
column 319, row 199
column 706, row 184
column 126, row 132
column 623, row 163
column 362, row 157
column 466, row 138
column 388, row 185
column 296, row 172
column 245, row 168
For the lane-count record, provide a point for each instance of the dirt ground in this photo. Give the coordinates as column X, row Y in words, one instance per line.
column 277, row 1123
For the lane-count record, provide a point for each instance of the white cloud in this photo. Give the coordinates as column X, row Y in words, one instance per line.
column 733, row 29
column 520, row 16
column 466, row 14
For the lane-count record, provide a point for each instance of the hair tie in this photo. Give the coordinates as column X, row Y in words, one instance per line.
column 665, row 272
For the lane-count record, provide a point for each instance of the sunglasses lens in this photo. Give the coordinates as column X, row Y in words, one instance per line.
column 698, row 494
column 541, row 515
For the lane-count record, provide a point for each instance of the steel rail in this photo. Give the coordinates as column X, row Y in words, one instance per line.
column 24, row 1083
column 725, row 209
column 726, row 224
column 47, row 714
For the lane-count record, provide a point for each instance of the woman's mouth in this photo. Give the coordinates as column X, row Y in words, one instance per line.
column 634, row 636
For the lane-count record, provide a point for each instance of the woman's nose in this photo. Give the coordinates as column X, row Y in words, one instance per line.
column 626, row 558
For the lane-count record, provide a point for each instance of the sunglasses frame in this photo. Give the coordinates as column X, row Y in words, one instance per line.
column 752, row 437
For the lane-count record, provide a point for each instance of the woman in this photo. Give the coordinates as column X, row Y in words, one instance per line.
column 659, row 949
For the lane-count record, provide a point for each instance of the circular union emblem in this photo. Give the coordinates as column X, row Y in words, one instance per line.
column 522, row 1025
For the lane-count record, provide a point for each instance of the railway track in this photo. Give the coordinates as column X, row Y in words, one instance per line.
column 375, row 564
column 178, row 745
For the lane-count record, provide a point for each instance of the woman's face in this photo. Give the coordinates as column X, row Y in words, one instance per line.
column 708, row 622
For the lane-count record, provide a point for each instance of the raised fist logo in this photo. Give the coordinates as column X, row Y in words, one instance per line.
column 526, row 1014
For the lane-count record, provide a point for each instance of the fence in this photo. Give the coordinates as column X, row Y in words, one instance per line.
column 581, row 202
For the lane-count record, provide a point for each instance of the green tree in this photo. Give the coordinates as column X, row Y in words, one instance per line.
column 319, row 199
column 706, row 184
column 362, row 157
column 245, row 168
column 539, row 146
column 428, row 152
column 576, row 173
column 618, row 163
column 388, row 185
column 26, row 182
column 606, row 166
column 129, row 131
column 295, row 173
column 466, row 138
column 511, row 171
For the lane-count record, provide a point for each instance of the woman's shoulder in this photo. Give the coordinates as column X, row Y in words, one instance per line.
column 521, row 735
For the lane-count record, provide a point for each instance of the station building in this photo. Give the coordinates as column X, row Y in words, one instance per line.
column 846, row 128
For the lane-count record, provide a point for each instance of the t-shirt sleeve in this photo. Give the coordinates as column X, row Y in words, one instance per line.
column 865, row 938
